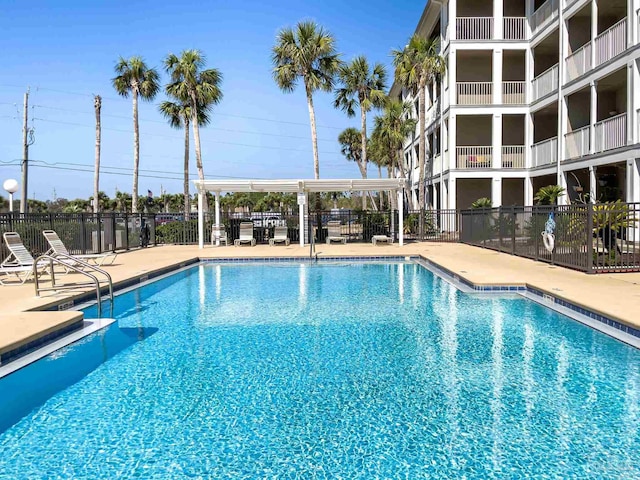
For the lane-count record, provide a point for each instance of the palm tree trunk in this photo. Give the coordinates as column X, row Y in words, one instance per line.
column 187, row 197
column 196, row 138
column 97, row 103
column 136, row 154
column 314, row 135
column 422, row 154
column 381, row 194
column 393, row 202
column 363, row 155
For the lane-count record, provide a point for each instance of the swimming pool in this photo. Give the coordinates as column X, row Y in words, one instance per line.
column 361, row 370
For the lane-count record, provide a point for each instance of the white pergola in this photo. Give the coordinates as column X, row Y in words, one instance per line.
column 301, row 187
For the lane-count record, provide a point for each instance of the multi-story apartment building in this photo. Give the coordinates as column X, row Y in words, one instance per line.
column 536, row 93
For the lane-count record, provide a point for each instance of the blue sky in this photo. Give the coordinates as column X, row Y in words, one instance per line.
column 65, row 51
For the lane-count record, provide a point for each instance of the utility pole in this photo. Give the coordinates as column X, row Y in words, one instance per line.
column 25, row 155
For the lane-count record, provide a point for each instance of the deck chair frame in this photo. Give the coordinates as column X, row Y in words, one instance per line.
column 246, row 235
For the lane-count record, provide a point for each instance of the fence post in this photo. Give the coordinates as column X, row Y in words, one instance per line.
column 83, row 233
column 514, row 217
column 589, row 239
column 535, row 233
column 99, row 232
column 500, row 228
column 51, row 221
column 126, row 231
column 155, row 237
column 113, row 226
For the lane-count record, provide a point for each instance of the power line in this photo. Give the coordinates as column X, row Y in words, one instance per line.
column 267, row 134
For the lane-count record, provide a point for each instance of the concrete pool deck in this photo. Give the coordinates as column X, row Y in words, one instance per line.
column 616, row 296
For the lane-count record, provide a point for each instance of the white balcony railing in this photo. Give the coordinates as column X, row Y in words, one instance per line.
column 611, row 133
column 437, row 164
column 611, row 42
column 545, row 83
column 514, row 28
column 579, row 62
column 513, row 93
column 577, row 143
column 474, row 93
column 474, row 28
column 546, row 12
column 513, row 156
column 544, row 152
column 473, row 157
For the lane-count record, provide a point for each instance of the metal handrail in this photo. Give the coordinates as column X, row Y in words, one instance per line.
column 58, row 259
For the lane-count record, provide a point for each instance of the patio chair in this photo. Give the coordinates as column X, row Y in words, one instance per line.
column 57, row 247
column 219, row 233
column 19, row 262
column 22, row 273
column 334, row 232
column 280, row 235
column 246, row 235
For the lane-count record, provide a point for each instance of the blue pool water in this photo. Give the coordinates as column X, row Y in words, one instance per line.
column 325, row 371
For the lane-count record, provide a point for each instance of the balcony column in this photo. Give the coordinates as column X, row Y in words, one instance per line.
column 631, row 113
column 562, row 130
column 498, row 15
column 453, row 21
column 632, row 21
column 452, row 192
column 496, row 142
column 593, row 116
column 497, row 77
column 528, row 139
column 593, row 185
column 451, row 77
column 594, row 30
column 633, row 180
column 453, row 151
column 528, row 11
column 528, row 191
column 528, row 75
column 496, row 192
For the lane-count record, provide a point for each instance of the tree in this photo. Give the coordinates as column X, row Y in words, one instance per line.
column 549, row 195
column 308, row 53
column 97, row 105
column 389, row 132
column 103, row 203
column 135, row 78
column 179, row 116
column 350, row 141
column 415, row 66
column 483, row 202
column 363, row 87
column 195, row 87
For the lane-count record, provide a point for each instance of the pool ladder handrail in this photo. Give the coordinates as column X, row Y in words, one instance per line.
column 70, row 262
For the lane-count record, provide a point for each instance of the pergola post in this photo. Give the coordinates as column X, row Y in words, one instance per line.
column 301, row 220
column 200, row 218
column 218, row 217
column 400, row 217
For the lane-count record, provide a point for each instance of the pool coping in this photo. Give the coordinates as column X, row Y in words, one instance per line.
column 607, row 324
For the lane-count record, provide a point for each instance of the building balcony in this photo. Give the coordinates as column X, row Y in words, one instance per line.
column 513, row 93
column 611, row 43
column 474, row 93
column 543, row 15
column 514, row 28
column 474, row 28
column 513, row 156
column 577, row 143
column 579, row 62
column 545, row 152
column 611, row 133
column 474, row 157
column 545, row 83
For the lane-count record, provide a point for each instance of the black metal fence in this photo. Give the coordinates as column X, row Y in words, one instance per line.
column 590, row 238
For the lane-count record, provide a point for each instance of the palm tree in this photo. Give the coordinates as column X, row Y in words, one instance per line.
column 363, row 87
column 549, row 195
column 195, row 87
column 418, row 64
column 97, row 105
column 308, row 53
column 135, row 78
column 179, row 116
column 389, row 132
column 350, row 141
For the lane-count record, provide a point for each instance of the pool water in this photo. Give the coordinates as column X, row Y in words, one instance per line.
column 367, row 370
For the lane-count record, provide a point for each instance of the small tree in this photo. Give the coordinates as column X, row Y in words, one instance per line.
column 549, row 195
column 483, row 202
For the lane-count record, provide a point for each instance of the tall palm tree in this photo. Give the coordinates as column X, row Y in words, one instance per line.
column 97, row 105
column 179, row 116
column 389, row 132
column 418, row 64
column 364, row 87
column 308, row 53
column 135, row 78
column 196, row 87
column 350, row 141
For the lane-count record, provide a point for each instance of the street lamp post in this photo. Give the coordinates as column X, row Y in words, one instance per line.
column 11, row 186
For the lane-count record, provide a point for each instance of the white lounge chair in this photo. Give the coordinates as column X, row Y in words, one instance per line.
column 219, row 233
column 280, row 235
column 334, row 232
column 246, row 235
column 57, row 247
column 381, row 239
column 20, row 261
